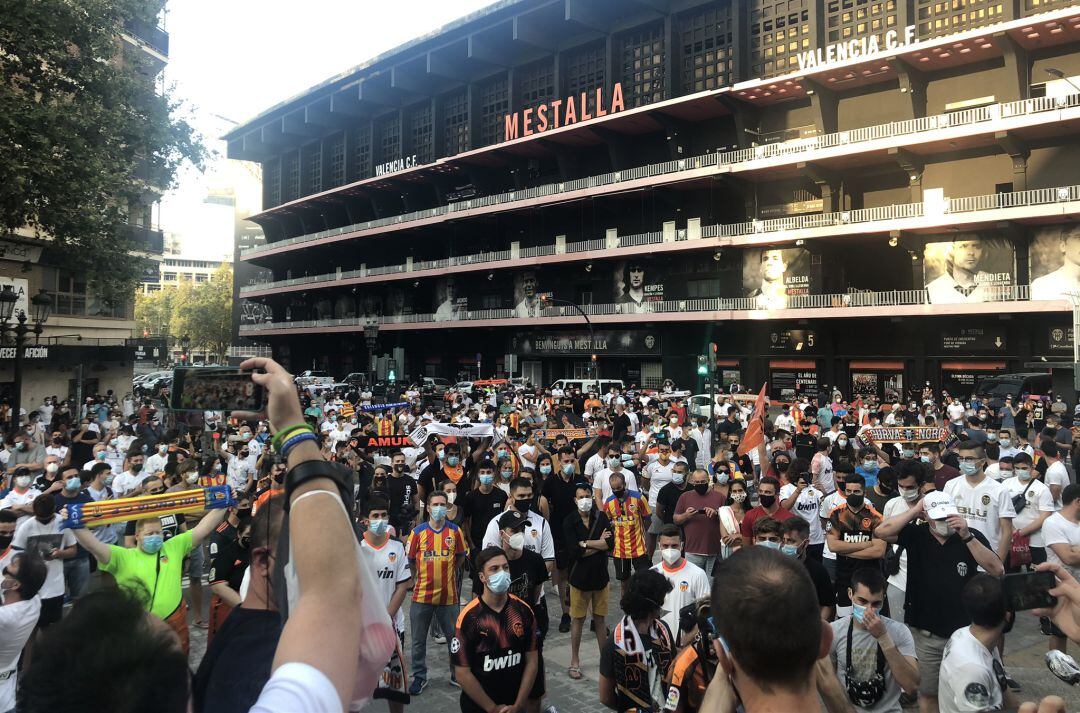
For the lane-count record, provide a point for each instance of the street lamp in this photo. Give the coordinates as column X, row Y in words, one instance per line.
column 40, row 306
column 371, row 336
column 545, row 299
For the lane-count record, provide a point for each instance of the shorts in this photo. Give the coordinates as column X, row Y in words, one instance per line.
column 562, row 557
column 52, row 611
column 929, row 649
column 655, row 525
column 538, row 688
column 580, row 601
column 624, row 565
column 195, row 561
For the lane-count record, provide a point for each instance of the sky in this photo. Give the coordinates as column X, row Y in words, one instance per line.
column 232, row 59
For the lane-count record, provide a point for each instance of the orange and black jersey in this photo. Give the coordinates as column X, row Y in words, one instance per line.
column 493, row 645
column 685, row 682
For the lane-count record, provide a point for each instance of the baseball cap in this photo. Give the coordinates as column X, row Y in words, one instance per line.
column 939, row 506
column 512, row 519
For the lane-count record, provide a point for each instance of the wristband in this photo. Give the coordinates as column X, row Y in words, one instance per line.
column 969, row 538
column 281, row 436
column 311, row 469
column 295, row 441
column 885, row 641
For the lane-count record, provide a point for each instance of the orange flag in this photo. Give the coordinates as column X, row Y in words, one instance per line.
column 755, row 430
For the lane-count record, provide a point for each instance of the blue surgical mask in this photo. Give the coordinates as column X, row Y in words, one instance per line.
column 501, row 453
column 870, row 465
column 151, row 544
column 969, row 469
column 442, row 455
column 452, row 461
column 109, row 480
column 627, row 458
column 100, row 455
column 438, row 512
column 770, row 544
column 678, row 478
column 499, row 582
column 73, row 483
column 858, row 612
column 487, row 479
column 722, row 477
column 507, row 474
column 568, row 468
column 612, row 462
column 925, row 459
column 790, row 550
column 378, row 526
column 545, row 470
column 907, row 453
column 114, row 442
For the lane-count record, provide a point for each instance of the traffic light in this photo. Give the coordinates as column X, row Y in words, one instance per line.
column 391, row 376
column 702, row 366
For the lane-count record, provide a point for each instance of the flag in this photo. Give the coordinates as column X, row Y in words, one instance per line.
column 755, row 430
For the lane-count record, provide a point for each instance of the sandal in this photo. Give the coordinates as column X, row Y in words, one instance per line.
column 201, row 624
column 575, row 673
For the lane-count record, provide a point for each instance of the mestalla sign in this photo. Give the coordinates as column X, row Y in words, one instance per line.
column 622, row 342
column 563, row 112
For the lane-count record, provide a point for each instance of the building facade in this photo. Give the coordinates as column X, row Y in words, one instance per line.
column 871, row 194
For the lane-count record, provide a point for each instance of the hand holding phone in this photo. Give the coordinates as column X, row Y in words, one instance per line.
column 216, row 389
column 1028, row 590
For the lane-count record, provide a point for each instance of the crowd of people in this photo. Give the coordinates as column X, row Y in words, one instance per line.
column 773, row 558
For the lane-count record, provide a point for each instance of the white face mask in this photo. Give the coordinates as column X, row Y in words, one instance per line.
column 940, row 527
column 584, row 504
column 451, row 497
column 516, row 541
column 52, row 468
column 671, row 555
column 193, row 478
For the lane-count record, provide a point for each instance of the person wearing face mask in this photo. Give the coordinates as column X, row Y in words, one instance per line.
column 602, row 480
column 129, row 483
column 884, row 489
column 229, row 561
column 984, row 502
column 26, row 452
column 795, row 533
column 629, row 514
column 667, row 500
column 803, row 499
column 821, row 467
column 842, row 447
column 454, row 513
column 495, row 644
column 387, row 558
column 20, row 499
column 1033, row 504
column 42, row 534
column 558, row 489
column 404, row 496
column 77, row 568
column 688, row 581
column 654, row 477
column 20, row 607
column 697, row 513
column 436, row 550
column 911, row 477
column 942, row 555
column 589, row 538
column 874, row 656
column 239, row 466
column 479, row 506
column 158, row 459
column 867, row 464
column 49, row 480
column 769, row 505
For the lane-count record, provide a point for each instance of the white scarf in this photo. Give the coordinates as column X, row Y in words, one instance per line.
column 460, row 430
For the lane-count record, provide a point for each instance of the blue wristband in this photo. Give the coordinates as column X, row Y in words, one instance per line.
column 294, row 440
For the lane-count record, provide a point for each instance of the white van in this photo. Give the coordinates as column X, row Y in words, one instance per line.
column 597, row 386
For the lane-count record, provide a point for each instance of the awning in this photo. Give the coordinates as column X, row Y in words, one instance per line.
column 973, row 365
column 792, row 364
column 727, row 362
column 874, row 364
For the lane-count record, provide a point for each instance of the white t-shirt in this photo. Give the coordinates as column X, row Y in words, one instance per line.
column 602, row 481
column 808, row 507
column 298, row 687
column 982, row 505
column 17, row 622
column 156, row 462
column 688, row 584
column 956, row 412
column 537, row 536
column 13, row 499
column 864, row 658
column 827, row 505
column 967, row 681
column 1038, row 500
column 239, row 469
column 128, row 481
column 31, row 534
column 1057, row 530
column 390, row 565
column 594, row 464
column 1057, row 474
column 896, row 506
column 58, row 451
column 659, row 476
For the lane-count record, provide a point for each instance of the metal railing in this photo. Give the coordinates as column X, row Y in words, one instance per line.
column 796, row 147
column 896, row 298
column 901, row 211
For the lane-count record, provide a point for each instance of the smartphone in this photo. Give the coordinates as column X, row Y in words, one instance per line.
column 1028, row 590
column 216, row 389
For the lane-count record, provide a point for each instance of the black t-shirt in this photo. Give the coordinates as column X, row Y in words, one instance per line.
column 589, row 574
column 433, row 475
column 936, row 575
column 237, row 662
column 493, row 644
column 170, row 527
column 560, row 497
column 805, row 445
column 526, row 572
column 229, row 564
column 826, row 595
column 479, row 508
column 82, row 452
column 402, row 490
column 620, row 427
column 43, row 482
column 668, row 498
column 608, row 662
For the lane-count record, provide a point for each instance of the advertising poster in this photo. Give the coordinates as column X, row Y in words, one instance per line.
column 773, row 276
column 634, row 284
column 447, row 304
column 398, row 302
column 968, row 268
column 526, row 295
column 1055, row 262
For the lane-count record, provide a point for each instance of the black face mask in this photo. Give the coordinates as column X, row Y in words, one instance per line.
column 399, row 468
column 701, row 488
column 522, row 505
column 619, row 494
column 782, row 466
column 136, row 468
column 767, row 501
column 5, row 541
column 855, row 502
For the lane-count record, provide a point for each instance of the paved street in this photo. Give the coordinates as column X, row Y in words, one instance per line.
column 1026, row 647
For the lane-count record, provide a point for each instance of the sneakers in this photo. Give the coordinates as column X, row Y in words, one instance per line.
column 418, row 686
column 564, row 625
column 1044, row 626
column 1011, row 682
column 1063, row 666
column 438, row 636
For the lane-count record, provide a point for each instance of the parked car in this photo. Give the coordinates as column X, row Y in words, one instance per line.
column 310, row 377
column 993, row 389
column 434, row 386
column 598, row 386
column 356, row 378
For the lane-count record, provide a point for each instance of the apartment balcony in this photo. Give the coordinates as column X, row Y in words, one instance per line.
column 1020, row 206
column 899, row 303
column 146, row 240
column 1044, row 116
column 149, row 35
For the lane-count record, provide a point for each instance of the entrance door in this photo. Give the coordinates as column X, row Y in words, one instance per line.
column 652, row 375
column 533, row 372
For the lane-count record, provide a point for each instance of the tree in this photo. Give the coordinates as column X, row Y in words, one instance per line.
column 84, row 133
column 201, row 311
